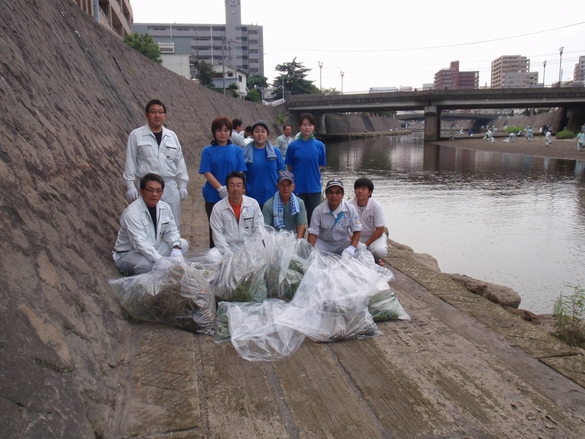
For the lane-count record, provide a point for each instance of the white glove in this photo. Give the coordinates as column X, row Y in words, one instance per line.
column 184, row 194
column 349, row 250
column 176, row 253
column 222, row 192
column 132, row 194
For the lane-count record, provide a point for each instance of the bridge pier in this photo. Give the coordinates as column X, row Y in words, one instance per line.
column 432, row 123
column 575, row 118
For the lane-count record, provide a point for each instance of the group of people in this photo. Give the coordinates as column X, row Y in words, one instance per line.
column 249, row 184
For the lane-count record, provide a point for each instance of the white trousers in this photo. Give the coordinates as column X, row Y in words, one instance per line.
column 133, row 262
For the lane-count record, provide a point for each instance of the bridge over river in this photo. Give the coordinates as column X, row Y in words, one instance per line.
column 432, row 102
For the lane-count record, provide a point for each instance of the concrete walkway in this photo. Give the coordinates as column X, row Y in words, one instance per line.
column 462, row 367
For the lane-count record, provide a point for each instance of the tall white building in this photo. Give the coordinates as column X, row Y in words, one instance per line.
column 241, row 46
column 512, row 71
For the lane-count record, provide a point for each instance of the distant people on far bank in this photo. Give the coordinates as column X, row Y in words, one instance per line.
column 153, row 148
column 236, row 218
column 304, row 158
column 372, row 218
column 335, row 226
column 263, row 163
column 284, row 139
column 148, row 230
column 581, row 139
column 237, row 133
column 286, row 211
column 217, row 160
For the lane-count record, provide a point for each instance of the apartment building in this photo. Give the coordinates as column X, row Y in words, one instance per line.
column 453, row 79
column 115, row 15
column 512, row 71
column 239, row 46
column 579, row 72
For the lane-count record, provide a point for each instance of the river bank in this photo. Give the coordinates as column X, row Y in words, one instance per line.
column 559, row 149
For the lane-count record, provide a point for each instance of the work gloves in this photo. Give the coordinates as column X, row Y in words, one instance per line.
column 222, row 192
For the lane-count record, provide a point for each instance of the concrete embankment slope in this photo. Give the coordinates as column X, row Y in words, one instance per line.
column 70, row 92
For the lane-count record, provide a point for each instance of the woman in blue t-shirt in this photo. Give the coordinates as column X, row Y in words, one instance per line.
column 263, row 163
column 217, row 161
column 304, row 158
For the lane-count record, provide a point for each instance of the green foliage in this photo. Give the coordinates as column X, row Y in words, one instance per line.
column 513, row 129
column 145, row 44
column 569, row 312
column 282, row 118
column 230, row 90
column 330, row 91
column 565, row 134
column 526, row 112
column 254, row 95
column 293, row 74
column 257, row 80
column 390, row 113
column 205, row 74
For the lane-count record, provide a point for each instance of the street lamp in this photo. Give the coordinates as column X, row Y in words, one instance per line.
column 560, row 65
column 320, row 77
column 543, row 73
column 342, row 73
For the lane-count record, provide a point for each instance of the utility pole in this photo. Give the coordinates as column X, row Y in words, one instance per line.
column 543, row 73
column 560, row 65
column 320, row 77
column 342, row 73
column 223, row 62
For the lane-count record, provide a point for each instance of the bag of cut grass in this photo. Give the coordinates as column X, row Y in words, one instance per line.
column 172, row 293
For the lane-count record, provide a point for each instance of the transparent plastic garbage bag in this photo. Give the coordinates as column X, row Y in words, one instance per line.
column 331, row 302
column 254, row 333
column 172, row 293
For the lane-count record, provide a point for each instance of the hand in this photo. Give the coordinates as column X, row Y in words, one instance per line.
column 349, row 250
column 184, row 194
column 176, row 253
column 222, row 192
column 132, row 194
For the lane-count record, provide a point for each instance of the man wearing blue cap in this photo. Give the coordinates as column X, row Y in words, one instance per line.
column 286, row 211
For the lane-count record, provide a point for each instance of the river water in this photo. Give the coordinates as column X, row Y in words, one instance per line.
column 509, row 219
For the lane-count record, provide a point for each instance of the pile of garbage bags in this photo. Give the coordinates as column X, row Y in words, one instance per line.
column 266, row 297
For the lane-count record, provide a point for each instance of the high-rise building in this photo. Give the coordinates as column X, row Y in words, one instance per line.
column 115, row 15
column 513, row 71
column 579, row 73
column 453, row 79
column 241, row 46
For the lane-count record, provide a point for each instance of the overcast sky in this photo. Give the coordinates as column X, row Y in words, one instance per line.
column 379, row 43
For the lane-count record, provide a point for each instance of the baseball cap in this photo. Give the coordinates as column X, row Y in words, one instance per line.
column 285, row 175
column 334, row 182
column 260, row 122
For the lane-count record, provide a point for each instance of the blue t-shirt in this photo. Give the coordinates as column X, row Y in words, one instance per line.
column 220, row 161
column 305, row 158
column 262, row 175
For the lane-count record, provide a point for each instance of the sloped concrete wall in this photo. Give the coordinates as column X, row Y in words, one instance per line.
column 70, row 92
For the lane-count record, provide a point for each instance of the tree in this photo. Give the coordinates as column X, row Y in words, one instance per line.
column 330, row 91
column 145, row 44
column 257, row 80
column 293, row 74
column 254, row 95
column 205, row 73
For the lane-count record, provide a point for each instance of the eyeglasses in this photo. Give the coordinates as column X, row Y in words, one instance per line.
column 156, row 112
column 153, row 191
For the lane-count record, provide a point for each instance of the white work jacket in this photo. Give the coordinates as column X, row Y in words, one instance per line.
column 137, row 230
column 371, row 217
column 144, row 155
column 229, row 234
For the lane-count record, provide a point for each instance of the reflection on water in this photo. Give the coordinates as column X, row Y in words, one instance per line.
column 509, row 219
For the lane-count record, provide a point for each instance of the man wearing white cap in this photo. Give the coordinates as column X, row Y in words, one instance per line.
column 335, row 225
column 286, row 211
